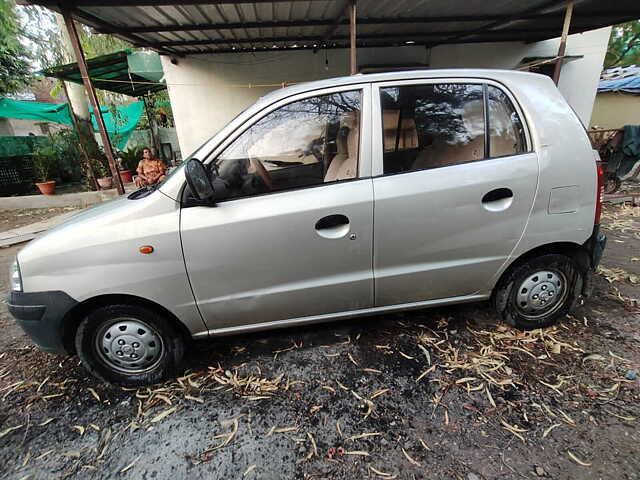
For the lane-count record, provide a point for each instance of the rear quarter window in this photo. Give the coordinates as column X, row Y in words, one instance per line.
column 506, row 130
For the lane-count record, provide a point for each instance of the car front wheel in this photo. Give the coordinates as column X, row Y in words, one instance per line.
column 129, row 345
column 538, row 292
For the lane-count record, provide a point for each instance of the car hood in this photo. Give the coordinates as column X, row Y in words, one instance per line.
column 95, row 226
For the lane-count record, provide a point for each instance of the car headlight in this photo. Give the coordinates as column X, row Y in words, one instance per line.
column 15, row 279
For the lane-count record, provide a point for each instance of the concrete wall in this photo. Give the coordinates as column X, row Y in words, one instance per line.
column 21, row 128
column 207, row 91
column 578, row 81
column 615, row 110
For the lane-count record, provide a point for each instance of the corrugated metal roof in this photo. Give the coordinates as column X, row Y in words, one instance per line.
column 200, row 26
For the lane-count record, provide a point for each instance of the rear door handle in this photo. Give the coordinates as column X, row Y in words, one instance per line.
column 497, row 199
column 333, row 226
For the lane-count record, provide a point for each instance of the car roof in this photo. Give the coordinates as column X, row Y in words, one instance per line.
column 503, row 76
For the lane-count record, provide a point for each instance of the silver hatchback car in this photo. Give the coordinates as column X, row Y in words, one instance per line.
column 324, row 201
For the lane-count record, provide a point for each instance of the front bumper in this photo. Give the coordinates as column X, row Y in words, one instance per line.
column 40, row 314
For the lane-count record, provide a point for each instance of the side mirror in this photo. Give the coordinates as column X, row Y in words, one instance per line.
column 199, row 181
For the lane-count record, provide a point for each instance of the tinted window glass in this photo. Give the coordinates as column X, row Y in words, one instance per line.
column 304, row 143
column 429, row 126
column 505, row 128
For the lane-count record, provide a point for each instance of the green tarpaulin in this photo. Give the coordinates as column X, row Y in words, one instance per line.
column 119, row 128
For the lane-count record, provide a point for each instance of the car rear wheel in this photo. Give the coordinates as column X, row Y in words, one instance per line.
column 129, row 345
column 538, row 292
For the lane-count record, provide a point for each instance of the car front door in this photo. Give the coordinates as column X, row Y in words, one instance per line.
column 454, row 182
column 293, row 238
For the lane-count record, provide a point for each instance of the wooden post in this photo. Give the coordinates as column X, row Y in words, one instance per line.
column 88, row 85
column 352, row 35
column 563, row 41
column 89, row 170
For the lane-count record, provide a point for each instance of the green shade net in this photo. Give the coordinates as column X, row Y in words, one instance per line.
column 119, row 126
column 44, row 112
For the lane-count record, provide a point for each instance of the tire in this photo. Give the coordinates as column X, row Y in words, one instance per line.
column 129, row 345
column 538, row 292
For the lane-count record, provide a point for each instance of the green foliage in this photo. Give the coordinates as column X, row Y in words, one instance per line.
column 41, row 36
column 624, row 45
column 100, row 168
column 59, row 156
column 66, row 145
column 131, row 157
column 96, row 44
column 159, row 107
column 45, row 162
column 14, row 66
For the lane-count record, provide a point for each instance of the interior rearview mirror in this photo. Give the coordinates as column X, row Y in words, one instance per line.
column 199, row 181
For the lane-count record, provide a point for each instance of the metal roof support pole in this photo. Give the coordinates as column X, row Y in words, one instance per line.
column 563, row 41
column 352, row 36
column 88, row 85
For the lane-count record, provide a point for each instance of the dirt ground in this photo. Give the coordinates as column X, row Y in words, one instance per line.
column 447, row 393
column 10, row 219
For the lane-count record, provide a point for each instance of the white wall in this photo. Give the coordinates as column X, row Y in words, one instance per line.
column 207, row 91
column 578, row 80
column 21, row 128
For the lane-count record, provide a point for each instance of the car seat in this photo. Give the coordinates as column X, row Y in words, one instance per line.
column 344, row 164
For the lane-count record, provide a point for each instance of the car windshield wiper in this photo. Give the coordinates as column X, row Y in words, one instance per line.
column 143, row 192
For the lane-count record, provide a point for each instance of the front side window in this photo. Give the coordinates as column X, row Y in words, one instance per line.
column 432, row 125
column 304, row 143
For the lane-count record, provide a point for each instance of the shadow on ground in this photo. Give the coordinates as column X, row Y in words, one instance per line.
column 441, row 393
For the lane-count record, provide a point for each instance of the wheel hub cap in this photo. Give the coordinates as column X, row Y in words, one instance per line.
column 129, row 345
column 540, row 293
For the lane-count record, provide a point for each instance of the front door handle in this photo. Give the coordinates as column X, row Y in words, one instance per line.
column 498, row 199
column 332, row 226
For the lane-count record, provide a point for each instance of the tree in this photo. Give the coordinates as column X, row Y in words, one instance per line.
column 14, row 65
column 624, row 45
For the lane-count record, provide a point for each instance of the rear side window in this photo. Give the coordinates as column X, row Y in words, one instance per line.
column 437, row 125
column 430, row 126
column 506, row 132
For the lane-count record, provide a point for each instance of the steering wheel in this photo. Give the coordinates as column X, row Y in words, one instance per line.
column 262, row 172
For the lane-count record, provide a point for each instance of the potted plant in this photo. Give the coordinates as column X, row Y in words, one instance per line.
column 129, row 159
column 45, row 166
column 101, row 172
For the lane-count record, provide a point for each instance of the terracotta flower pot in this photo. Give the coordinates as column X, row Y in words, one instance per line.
column 126, row 176
column 47, row 188
column 105, row 182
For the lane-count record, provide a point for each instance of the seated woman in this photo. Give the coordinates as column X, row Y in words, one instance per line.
column 150, row 170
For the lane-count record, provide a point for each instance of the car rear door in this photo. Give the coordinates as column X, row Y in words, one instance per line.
column 452, row 198
column 301, row 248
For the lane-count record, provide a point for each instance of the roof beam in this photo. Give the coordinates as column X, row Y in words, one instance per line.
column 505, row 21
column 343, row 45
column 143, row 3
column 343, row 13
column 405, row 36
column 342, row 21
